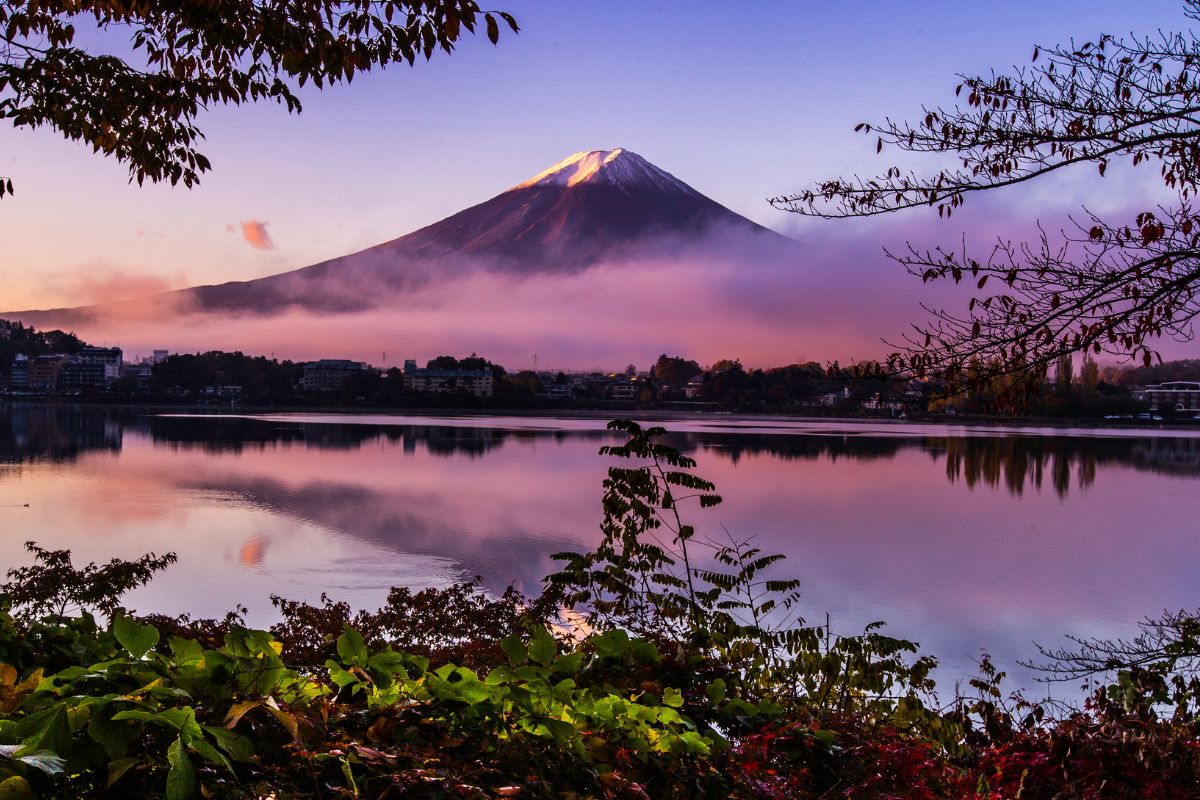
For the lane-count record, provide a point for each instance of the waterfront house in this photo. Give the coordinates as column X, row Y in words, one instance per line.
column 328, row 374
column 443, row 381
column 1179, row 396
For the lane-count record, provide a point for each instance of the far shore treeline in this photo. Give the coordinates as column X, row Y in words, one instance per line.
column 810, row 388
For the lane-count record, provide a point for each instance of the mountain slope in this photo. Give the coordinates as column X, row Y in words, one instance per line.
column 592, row 207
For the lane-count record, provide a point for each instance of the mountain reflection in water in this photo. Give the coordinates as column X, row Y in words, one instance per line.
column 961, row 539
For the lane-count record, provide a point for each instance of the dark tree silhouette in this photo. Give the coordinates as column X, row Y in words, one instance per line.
column 188, row 55
column 1101, row 286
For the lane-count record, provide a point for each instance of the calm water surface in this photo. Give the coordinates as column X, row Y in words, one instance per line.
column 963, row 539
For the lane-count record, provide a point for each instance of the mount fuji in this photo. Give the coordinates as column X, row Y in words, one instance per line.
column 593, row 207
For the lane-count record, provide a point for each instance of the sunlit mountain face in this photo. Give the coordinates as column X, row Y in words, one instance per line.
column 593, row 207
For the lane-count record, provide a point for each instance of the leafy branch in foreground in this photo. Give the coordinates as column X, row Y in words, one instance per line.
column 1115, row 287
column 653, row 576
column 1158, row 670
column 53, row 586
column 189, row 55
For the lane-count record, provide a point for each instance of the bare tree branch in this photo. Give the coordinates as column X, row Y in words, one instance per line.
column 1101, row 287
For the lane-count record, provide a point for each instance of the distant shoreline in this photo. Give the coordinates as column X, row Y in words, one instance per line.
column 650, row 413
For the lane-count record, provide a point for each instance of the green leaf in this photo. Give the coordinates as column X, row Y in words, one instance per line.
column 569, row 664
column 342, row 678
column 119, row 767
column 672, row 697
column 612, row 644
column 187, row 652
column 348, row 774
column 562, row 732
column 386, row 667
column 212, row 754
column 644, row 651
column 46, row 730
column 542, row 647
column 238, row 747
column 113, row 736
column 351, row 648
column 180, row 719
column 515, row 649
column 181, row 780
column 138, row 639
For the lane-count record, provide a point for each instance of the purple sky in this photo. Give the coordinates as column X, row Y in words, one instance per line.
column 741, row 104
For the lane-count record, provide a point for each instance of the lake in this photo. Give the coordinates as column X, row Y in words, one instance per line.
column 961, row 538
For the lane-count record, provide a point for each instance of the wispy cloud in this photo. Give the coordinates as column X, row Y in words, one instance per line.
column 255, row 233
column 104, row 284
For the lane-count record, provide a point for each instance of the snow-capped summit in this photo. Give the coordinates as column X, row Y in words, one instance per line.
column 619, row 167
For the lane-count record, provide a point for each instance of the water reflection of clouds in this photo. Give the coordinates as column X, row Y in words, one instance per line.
column 252, row 551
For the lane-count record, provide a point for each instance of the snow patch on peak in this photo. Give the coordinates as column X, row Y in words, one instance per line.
column 618, row 167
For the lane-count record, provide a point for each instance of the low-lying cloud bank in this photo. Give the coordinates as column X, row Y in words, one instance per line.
column 768, row 307
column 767, row 301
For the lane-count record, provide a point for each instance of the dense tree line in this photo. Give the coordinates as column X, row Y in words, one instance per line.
column 734, row 385
column 258, row 376
column 1187, row 369
column 1077, row 387
column 18, row 339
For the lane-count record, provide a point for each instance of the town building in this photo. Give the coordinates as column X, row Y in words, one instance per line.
column 77, row 375
column 1180, row 396
column 43, row 373
column 625, row 391
column 329, row 374
column 108, row 357
column 830, row 399
column 443, row 381
column 20, row 373
column 140, row 372
column 229, row 392
column 880, row 402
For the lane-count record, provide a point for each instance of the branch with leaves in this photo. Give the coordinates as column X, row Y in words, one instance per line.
column 193, row 55
column 1115, row 287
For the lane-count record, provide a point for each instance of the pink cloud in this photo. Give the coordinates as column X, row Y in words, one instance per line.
column 255, row 233
column 113, row 285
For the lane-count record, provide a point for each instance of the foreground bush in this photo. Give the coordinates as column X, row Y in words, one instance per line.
column 140, row 717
